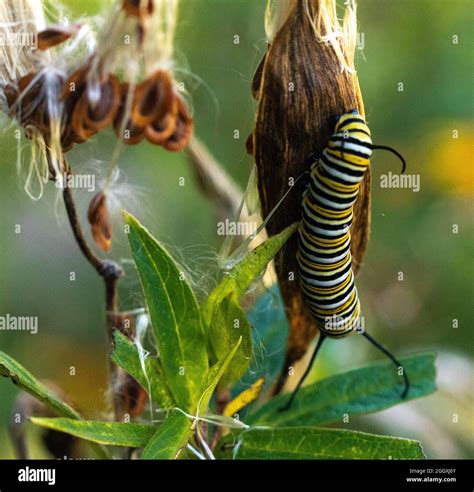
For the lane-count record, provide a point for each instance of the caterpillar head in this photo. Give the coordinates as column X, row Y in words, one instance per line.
column 352, row 136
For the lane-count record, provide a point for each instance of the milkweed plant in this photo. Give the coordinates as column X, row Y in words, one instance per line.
column 201, row 385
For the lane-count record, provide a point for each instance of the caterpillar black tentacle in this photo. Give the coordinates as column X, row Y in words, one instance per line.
column 324, row 242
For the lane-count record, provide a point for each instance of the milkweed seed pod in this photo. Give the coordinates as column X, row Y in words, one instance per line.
column 32, row 75
column 183, row 129
column 125, row 128
column 306, row 78
column 87, row 117
column 99, row 219
column 55, row 35
column 162, row 128
column 152, row 99
column 138, row 8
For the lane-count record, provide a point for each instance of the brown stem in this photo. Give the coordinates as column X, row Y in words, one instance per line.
column 109, row 270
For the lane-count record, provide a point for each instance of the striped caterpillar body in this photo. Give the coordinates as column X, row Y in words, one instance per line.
column 324, row 255
column 324, row 237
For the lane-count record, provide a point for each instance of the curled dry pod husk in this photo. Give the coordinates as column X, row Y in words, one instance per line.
column 99, row 219
column 75, row 129
column 301, row 87
column 152, row 98
column 11, row 93
column 68, row 135
column 29, row 98
column 101, row 114
column 125, row 129
column 160, row 130
column 183, row 130
column 82, row 130
column 138, row 8
column 54, row 35
column 75, row 84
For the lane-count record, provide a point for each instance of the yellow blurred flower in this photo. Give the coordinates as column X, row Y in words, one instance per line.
column 450, row 158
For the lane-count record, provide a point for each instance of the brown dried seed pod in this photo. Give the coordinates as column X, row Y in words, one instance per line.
column 99, row 219
column 103, row 113
column 138, row 8
column 160, row 130
column 75, row 84
column 82, row 130
column 152, row 99
column 183, row 130
column 28, row 99
column 249, row 144
column 257, row 78
column 68, row 138
column 54, row 35
column 11, row 93
column 127, row 131
column 290, row 124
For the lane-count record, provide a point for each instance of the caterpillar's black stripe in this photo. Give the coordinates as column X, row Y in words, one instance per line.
column 324, row 256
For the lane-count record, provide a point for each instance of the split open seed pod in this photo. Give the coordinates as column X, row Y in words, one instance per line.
column 101, row 114
column 137, row 8
column 152, row 99
column 99, row 219
column 55, row 35
column 183, row 129
column 306, row 79
column 125, row 129
column 161, row 129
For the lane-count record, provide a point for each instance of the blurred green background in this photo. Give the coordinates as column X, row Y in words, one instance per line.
column 404, row 41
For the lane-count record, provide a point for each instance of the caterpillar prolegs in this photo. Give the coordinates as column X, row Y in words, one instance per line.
column 324, row 256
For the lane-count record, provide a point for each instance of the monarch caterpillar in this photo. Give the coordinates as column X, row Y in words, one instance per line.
column 324, row 237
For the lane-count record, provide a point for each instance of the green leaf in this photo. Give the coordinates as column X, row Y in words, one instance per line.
column 215, row 374
column 355, row 392
column 229, row 324
column 312, row 443
column 170, row 439
column 244, row 273
column 175, row 317
column 10, row 368
column 110, row 433
column 125, row 355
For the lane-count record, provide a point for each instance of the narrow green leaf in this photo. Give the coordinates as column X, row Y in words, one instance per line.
column 215, row 375
column 125, row 355
column 312, row 443
column 229, row 324
column 355, row 392
column 175, row 317
column 244, row 273
column 109, row 433
column 170, row 438
column 10, row 368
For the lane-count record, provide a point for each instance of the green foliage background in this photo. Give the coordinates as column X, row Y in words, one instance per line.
column 405, row 41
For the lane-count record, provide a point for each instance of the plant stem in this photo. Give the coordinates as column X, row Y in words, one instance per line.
column 107, row 269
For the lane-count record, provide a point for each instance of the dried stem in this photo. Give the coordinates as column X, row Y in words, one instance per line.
column 214, row 182
column 107, row 269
